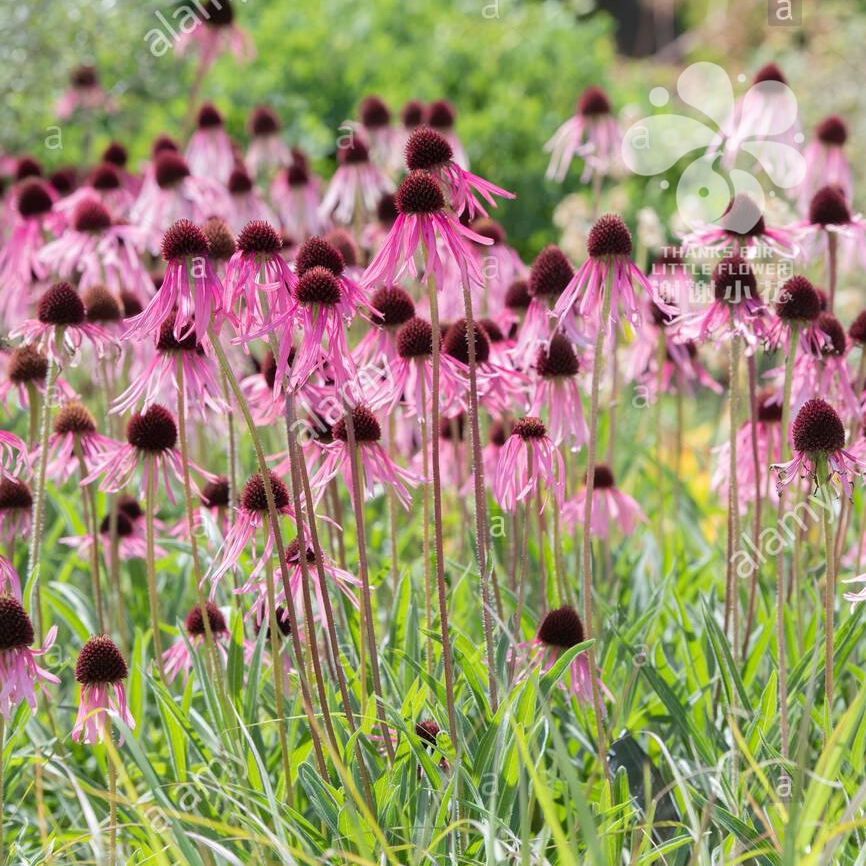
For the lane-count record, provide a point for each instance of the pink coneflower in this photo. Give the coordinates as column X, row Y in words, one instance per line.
column 427, row 150
column 19, row 673
column 593, row 134
column 609, row 268
column 247, row 203
column 441, row 117
column 357, row 182
column 178, row 658
column 130, row 533
column 767, row 111
column 528, row 460
column 830, row 219
column 611, row 507
column 251, row 517
column 26, row 371
column 375, row 465
column 105, row 184
column 423, row 219
column 414, row 366
column 210, row 152
column 16, row 505
column 19, row 256
column 61, row 325
column 551, row 273
column 737, row 309
column 342, row 579
column 557, row 393
column 170, row 193
column 560, row 630
column 191, row 292
column 151, row 439
column 375, row 119
column 259, row 284
column 116, row 155
column 742, row 226
column 819, row 445
column 826, row 164
column 221, row 243
column 267, row 151
column 203, row 392
column 296, row 195
column 797, row 309
column 500, row 388
column 100, row 251
column 101, row 670
column 768, row 436
column 85, row 93
column 393, row 308
column 213, row 33
column 75, row 441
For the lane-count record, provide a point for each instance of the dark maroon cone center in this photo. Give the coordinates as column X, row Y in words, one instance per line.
column 609, row 237
column 153, row 431
column 419, row 194
column 550, row 273
column 100, row 662
column 61, row 305
column 558, row 359
column 316, row 252
column 367, row 428
column 818, row 429
column 561, row 628
column 16, row 629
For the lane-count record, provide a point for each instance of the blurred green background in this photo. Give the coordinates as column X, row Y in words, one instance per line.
column 513, row 68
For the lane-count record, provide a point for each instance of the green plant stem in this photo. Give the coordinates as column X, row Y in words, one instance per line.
column 88, row 501
column 823, row 479
column 425, row 540
column 150, row 561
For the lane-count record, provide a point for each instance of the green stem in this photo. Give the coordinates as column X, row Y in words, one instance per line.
column 823, row 479
column 150, row 559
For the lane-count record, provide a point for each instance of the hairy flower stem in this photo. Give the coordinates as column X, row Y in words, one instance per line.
column 732, row 603
column 586, row 549
column 368, row 623
column 306, row 698
column 482, row 535
column 232, row 456
column 152, row 473
column 425, row 541
column 88, row 502
column 823, row 480
column 38, row 512
column 780, row 559
column 756, row 526
column 832, row 268
column 441, row 588
column 112, row 804
column 392, row 508
column 333, row 642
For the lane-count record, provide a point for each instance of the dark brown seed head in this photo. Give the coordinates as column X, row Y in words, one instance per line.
column 183, row 240
column 493, row 331
column 101, row 305
column 220, row 239
column 427, row 731
column 832, row 327
column 100, row 662
column 91, row 216
column 342, row 240
column 195, row 621
column 743, row 217
column 15, row 495
column 170, row 168
column 215, row 494
column 26, row 167
column 264, row 121
column 116, row 154
column 517, row 295
column 130, row 506
column 33, row 199
column 355, row 152
column 373, row 113
column 498, row 432
column 529, row 427
column 769, row 72
column 456, row 342
column 857, row 331
column 167, row 342
column 125, row 526
column 318, row 286
column 316, row 252
column 734, row 281
column 16, row 630
column 561, row 628
column 427, row 149
column 105, row 177
column 441, row 115
column 386, row 210
column 602, row 477
column 609, row 237
column 61, row 305
column 132, row 305
column 832, row 130
column 218, row 13
column 297, row 174
column 557, row 359
column 415, row 339
column 84, row 77
column 818, row 429
column 240, row 182
column 419, row 193
column 209, row 117
column 550, row 273
column 293, row 552
column 259, row 236
column 829, row 208
column 162, row 144
column 769, row 407
column 27, row 365
column 412, row 114
column 489, row 228
column 75, row 418
column 153, row 431
column 254, row 497
column 394, row 305
column 593, row 102
column 798, row 301
column 366, row 426
column 63, row 180
column 284, row 623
